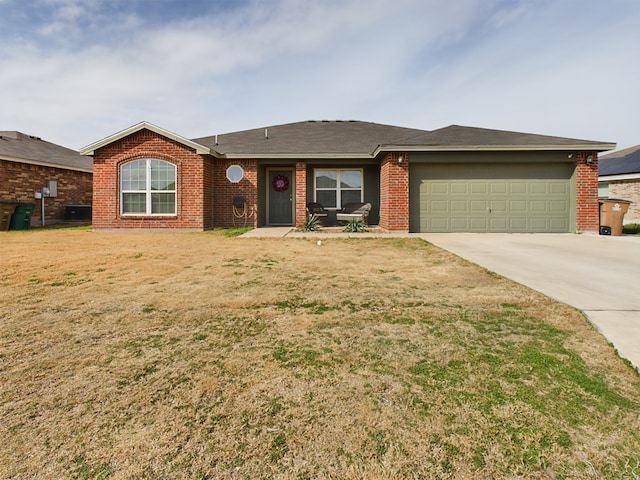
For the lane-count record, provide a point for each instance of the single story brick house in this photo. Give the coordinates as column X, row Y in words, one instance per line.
column 455, row 179
column 28, row 163
column 619, row 177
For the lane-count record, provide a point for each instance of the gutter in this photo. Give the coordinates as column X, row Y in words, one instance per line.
column 628, row 176
column 600, row 147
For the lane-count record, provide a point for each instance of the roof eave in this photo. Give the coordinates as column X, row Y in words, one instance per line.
column 600, row 147
column 46, row 164
column 90, row 149
column 297, row 156
column 622, row 176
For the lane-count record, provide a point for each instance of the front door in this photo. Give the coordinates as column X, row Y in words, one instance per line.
column 281, row 192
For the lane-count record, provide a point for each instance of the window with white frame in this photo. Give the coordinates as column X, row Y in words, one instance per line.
column 148, row 187
column 334, row 188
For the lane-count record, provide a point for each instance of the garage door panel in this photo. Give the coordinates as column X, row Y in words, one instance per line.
column 479, row 188
column 498, row 206
column 498, row 224
column 558, row 225
column 436, row 188
column 517, row 206
column 457, row 188
column 438, row 206
column 558, row 188
column 438, row 224
column 459, row 225
column 538, row 206
column 518, row 225
column 478, row 224
column 538, row 188
column 538, row 223
column 517, row 188
column 460, row 206
column 498, row 188
column 491, row 198
column 558, row 206
column 477, row 206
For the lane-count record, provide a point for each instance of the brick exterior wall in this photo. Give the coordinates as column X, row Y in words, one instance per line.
column 191, row 183
column 19, row 182
column 224, row 191
column 627, row 190
column 394, row 192
column 587, row 206
column 204, row 195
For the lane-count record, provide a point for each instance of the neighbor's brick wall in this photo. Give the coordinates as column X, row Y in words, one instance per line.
column 627, row 190
column 224, row 191
column 394, row 192
column 191, row 178
column 587, row 206
column 19, row 182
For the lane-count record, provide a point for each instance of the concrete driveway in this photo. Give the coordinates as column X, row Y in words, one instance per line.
column 599, row 275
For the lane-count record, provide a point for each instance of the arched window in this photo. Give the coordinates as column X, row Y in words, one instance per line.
column 148, row 187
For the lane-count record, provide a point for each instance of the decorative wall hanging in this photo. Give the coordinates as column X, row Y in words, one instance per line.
column 280, row 183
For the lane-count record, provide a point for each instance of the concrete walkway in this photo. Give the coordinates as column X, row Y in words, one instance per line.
column 599, row 275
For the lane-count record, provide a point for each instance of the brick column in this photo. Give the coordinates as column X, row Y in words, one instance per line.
column 301, row 192
column 394, row 192
column 587, row 207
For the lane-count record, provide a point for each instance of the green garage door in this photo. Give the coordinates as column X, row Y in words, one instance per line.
column 499, row 197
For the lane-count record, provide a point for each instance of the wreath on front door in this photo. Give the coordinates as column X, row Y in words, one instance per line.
column 280, row 183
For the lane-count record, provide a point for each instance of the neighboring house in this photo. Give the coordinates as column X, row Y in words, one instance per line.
column 619, row 177
column 28, row 163
column 457, row 178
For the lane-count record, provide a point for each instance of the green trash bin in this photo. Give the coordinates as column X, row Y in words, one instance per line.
column 6, row 210
column 21, row 218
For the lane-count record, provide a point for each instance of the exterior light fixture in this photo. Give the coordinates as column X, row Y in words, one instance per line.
column 589, row 159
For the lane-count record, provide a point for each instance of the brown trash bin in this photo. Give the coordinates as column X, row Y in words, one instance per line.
column 612, row 212
column 6, row 210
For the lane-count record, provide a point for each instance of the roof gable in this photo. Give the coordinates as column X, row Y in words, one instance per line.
column 23, row 148
column 90, row 149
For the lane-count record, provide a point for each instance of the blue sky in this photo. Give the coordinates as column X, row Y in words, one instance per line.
column 75, row 71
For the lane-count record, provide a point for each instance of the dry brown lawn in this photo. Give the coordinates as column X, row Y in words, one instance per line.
column 197, row 356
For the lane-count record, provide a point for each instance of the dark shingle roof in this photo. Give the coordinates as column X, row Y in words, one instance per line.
column 620, row 163
column 366, row 139
column 461, row 137
column 19, row 147
column 308, row 139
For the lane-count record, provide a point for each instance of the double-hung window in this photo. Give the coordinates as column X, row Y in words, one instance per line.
column 148, row 187
column 334, row 188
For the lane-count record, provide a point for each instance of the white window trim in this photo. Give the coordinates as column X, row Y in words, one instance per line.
column 148, row 192
column 337, row 188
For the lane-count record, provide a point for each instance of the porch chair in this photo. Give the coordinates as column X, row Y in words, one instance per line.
column 314, row 208
column 354, row 211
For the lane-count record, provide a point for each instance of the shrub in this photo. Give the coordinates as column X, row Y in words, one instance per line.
column 311, row 224
column 631, row 228
column 356, row 225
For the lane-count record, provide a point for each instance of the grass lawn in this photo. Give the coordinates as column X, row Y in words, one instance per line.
column 199, row 356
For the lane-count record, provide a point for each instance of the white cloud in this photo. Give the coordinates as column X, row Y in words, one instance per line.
column 538, row 67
